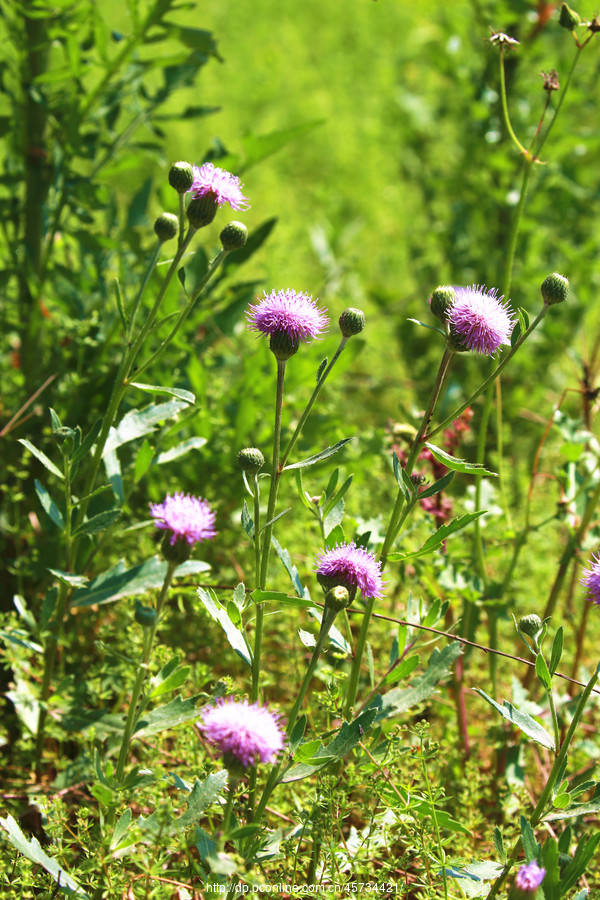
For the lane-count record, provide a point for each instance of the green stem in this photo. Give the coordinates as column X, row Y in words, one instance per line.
column 140, row 293
column 441, row 851
column 275, row 476
column 561, row 100
column 397, row 519
column 185, row 311
column 504, row 100
column 310, row 403
column 329, row 615
column 132, row 715
column 540, row 808
column 259, row 625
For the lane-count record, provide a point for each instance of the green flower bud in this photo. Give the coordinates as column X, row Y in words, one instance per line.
column 283, row 346
column 351, row 321
column 330, row 583
column 555, row 289
column 179, row 552
column 181, row 176
column 202, row 210
column 441, row 300
column 64, row 437
column 145, row 615
column 338, row 598
column 251, row 460
column 530, row 625
column 166, row 227
column 234, row 236
column 456, row 342
column 568, row 18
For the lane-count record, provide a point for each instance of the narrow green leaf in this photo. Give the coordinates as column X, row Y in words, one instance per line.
column 424, row 325
column 541, row 669
column 120, row 306
column 193, row 443
column 522, row 720
column 330, row 502
column 584, row 854
column 187, row 396
column 119, row 582
column 140, row 422
column 457, row 465
column 346, row 740
column 436, row 540
column 87, row 443
column 399, row 700
column 402, row 670
column 557, row 648
column 48, row 505
column 247, row 523
column 235, row 636
column 168, row 679
column 99, row 523
column 174, row 713
column 259, row 596
column 42, row 457
column 499, row 844
column 290, row 568
column 278, row 516
column 578, row 809
column 324, row 454
column 321, row 369
column 530, row 845
column 69, row 578
column 333, row 518
column 437, row 486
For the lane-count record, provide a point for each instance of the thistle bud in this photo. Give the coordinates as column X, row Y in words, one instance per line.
column 234, row 236
column 568, row 18
column 332, row 583
column 351, row 321
column 64, row 437
column 181, row 176
column 166, row 227
column 177, row 552
column 441, row 300
column 251, row 460
column 338, row 598
column 417, row 479
column 145, row 615
column 202, row 210
column 283, row 346
column 530, row 625
column 555, row 289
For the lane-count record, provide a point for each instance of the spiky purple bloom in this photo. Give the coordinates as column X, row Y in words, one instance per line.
column 479, row 319
column 529, row 878
column 590, row 578
column 187, row 517
column 225, row 187
column 245, row 731
column 355, row 568
column 288, row 312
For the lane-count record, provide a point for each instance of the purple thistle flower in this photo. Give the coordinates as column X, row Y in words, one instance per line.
column 590, row 578
column 529, row 878
column 479, row 320
column 291, row 313
column 225, row 187
column 187, row 517
column 246, row 732
column 353, row 567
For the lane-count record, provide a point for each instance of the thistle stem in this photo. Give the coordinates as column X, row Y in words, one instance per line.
column 275, row 476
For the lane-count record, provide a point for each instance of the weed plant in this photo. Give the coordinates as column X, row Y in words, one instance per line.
column 295, row 603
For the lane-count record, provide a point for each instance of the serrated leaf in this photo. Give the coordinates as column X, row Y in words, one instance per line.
column 530, row 845
column 399, row 700
column 324, row 454
column 290, row 568
column 56, row 423
column 235, row 636
column 443, row 533
column 42, row 458
column 499, row 844
column 33, row 851
column 522, row 720
column 457, row 465
column 187, row 396
column 346, row 740
column 247, row 523
column 578, row 809
column 48, row 505
column 120, row 582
